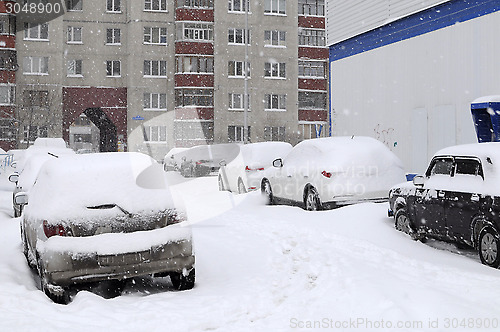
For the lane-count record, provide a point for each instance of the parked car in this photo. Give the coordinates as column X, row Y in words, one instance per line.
column 106, row 216
column 203, row 160
column 244, row 173
column 329, row 172
column 457, row 200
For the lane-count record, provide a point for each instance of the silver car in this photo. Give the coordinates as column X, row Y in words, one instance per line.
column 107, row 216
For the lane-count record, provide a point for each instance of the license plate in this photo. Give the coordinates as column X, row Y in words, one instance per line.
column 124, row 259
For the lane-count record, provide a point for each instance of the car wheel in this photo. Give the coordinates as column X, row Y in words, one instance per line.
column 181, row 281
column 221, row 184
column 489, row 246
column 56, row 293
column 312, row 201
column 267, row 191
column 241, row 187
column 403, row 224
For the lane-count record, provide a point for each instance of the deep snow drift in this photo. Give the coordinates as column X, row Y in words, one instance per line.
column 278, row 268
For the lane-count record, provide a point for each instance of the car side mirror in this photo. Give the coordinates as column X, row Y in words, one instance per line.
column 278, row 163
column 222, row 163
column 21, row 198
column 418, row 181
column 14, row 178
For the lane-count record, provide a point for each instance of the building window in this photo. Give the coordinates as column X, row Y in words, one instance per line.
column 155, row 5
column 155, row 134
column 194, row 97
column 235, row 69
column 275, row 102
column 7, row 129
column 36, row 98
column 194, row 130
column 236, row 133
column 155, row 68
column 113, row 6
column 194, row 64
column 75, row 68
column 155, row 101
column 74, row 5
column 74, row 35
column 237, row 102
column 311, row 37
column 156, row 36
column 7, row 94
column 315, row 69
column 274, row 38
column 237, row 36
column 312, row 7
column 274, row 70
column 8, row 60
column 113, row 68
column 274, row 134
column 113, row 36
column 36, row 65
column 195, row 3
column 33, row 31
column 276, row 7
column 238, row 6
column 31, row 133
column 312, row 100
column 308, row 130
column 195, row 32
column 8, row 25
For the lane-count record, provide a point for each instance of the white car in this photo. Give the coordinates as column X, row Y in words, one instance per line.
column 105, row 216
column 329, row 172
column 244, row 173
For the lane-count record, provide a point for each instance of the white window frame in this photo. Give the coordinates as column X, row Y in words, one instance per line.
column 187, row 64
column 306, row 34
column 149, row 6
column 237, row 102
column 34, row 31
column 307, row 67
column 112, row 63
column 239, row 133
column 32, row 62
column 150, row 99
column 273, row 99
column 196, row 32
column 280, row 38
column 235, row 34
column 238, row 6
column 10, row 93
column 275, row 7
column 73, row 34
column 156, row 134
column 239, row 71
column 275, row 70
column 303, row 4
column 39, row 131
column 74, row 65
column 115, row 34
column 269, row 136
column 155, row 68
column 116, row 6
column 151, row 32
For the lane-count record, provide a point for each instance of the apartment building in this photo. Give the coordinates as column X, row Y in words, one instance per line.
column 150, row 75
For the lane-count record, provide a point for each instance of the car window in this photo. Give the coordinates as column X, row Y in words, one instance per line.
column 467, row 166
column 441, row 166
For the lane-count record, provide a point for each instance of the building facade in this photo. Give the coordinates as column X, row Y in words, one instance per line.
column 151, row 75
column 406, row 72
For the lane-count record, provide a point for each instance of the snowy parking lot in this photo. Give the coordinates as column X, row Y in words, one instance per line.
column 272, row 268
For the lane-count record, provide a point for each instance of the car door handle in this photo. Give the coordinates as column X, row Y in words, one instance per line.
column 441, row 194
column 474, row 197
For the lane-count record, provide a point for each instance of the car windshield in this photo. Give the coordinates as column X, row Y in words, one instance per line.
column 442, row 166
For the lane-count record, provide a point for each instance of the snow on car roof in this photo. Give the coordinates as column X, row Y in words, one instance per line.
column 50, row 142
column 480, row 150
column 67, row 187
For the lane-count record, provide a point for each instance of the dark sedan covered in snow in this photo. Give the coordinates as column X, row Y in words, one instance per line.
column 457, row 200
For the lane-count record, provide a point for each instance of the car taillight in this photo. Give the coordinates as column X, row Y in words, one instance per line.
column 248, row 169
column 326, row 174
column 199, row 162
column 53, row 230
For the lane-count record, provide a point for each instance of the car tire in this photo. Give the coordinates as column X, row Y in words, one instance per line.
column 181, row 281
column 403, row 224
column 241, row 187
column 62, row 294
column 489, row 246
column 267, row 191
column 221, row 184
column 312, row 201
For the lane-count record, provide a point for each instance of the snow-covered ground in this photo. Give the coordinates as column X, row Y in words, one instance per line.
column 271, row 268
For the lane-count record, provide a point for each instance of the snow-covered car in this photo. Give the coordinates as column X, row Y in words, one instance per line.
column 457, row 200
column 244, row 173
column 106, row 216
column 33, row 160
column 325, row 173
column 202, row 160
